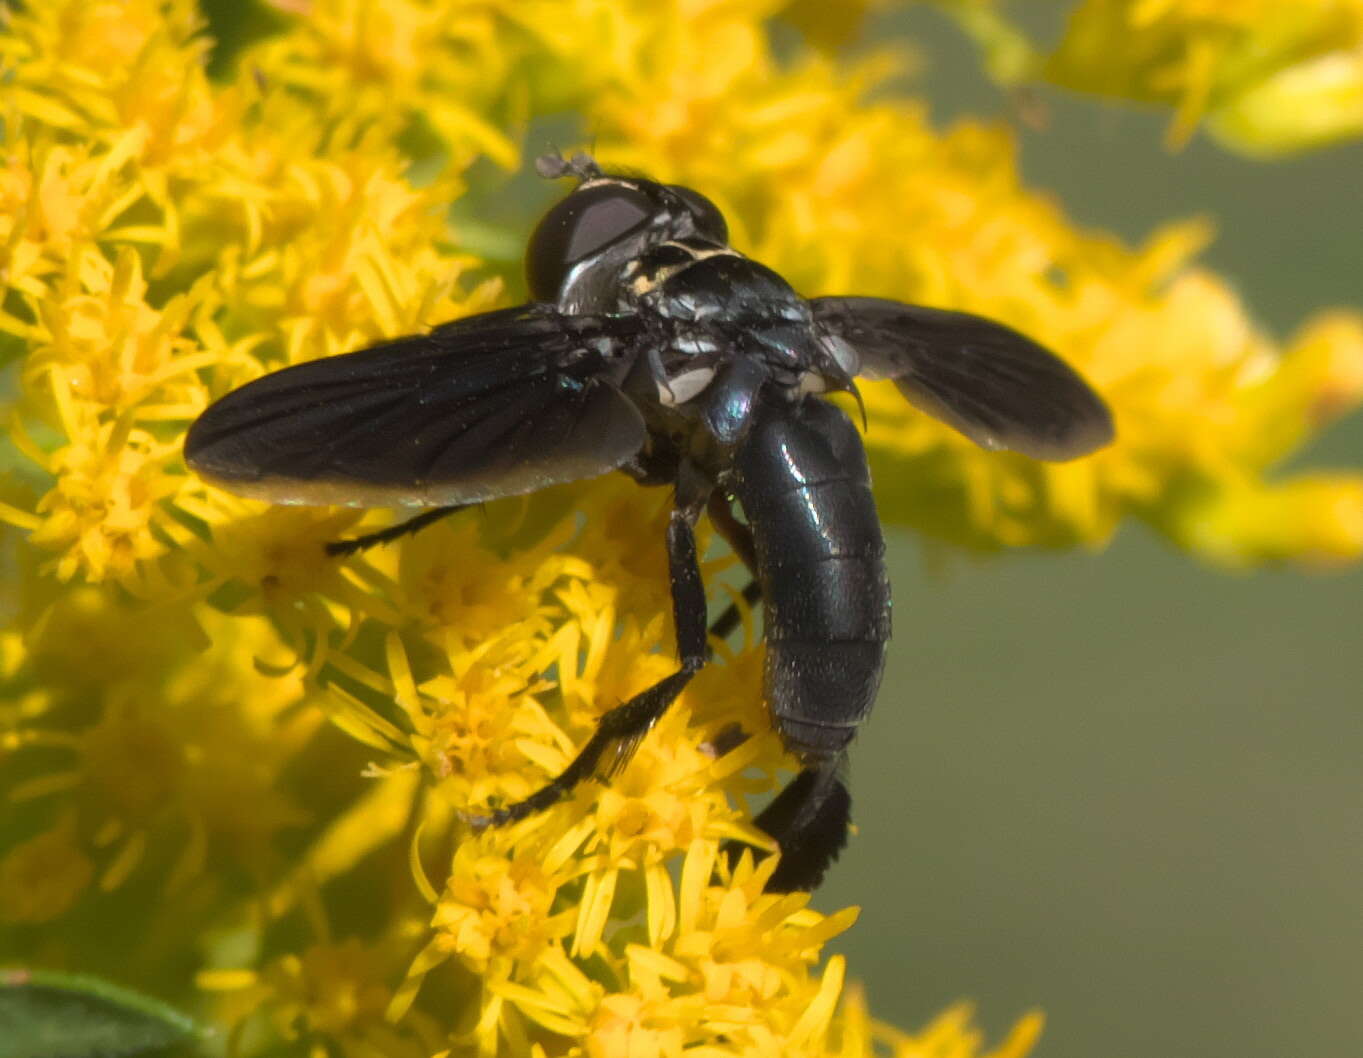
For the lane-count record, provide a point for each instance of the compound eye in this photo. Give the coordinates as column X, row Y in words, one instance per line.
column 584, row 223
column 709, row 221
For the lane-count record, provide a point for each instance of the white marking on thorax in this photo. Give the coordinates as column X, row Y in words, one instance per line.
column 684, row 386
column 812, row 382
column 702, row 254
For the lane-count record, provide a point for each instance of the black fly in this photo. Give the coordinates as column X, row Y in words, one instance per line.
column 653, row 347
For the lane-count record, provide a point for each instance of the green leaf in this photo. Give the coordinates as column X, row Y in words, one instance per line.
column 44, row 1014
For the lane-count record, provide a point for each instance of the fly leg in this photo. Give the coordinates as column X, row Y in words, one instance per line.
column 809, row 821
column 739, row 537
column 393, row 532
column 619, row 731
column 732, row 616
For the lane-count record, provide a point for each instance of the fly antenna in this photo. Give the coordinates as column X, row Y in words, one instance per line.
column 584, row 166
column 551, row 164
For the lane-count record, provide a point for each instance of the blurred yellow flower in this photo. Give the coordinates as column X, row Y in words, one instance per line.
column 169, row 653
column 1269, row 77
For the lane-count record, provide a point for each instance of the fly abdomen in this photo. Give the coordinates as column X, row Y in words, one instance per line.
column 802, row 481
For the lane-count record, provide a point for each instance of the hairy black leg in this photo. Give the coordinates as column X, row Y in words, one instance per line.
column 384, row 536
column 809, row 819
column 616, row 737
column 619, row 731
column 732, row 615
column 739, row 537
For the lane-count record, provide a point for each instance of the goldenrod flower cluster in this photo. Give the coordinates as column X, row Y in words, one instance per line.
column 1268, row 77
column 233, row 762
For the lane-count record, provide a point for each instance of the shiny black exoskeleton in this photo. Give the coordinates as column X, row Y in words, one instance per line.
column 654, row 347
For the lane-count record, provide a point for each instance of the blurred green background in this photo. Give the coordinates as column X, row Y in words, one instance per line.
column 1120, row 787
column 1123, row 787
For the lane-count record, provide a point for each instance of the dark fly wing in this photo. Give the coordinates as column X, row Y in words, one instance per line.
column 493, row 405
column 998, row 387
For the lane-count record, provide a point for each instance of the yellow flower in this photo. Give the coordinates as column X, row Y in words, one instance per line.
column 722, row 966
column 330, row 994
column 498, row 908
column 170, row 652
column 42, row 877
column 950, row 1033
column 156, row 751
column 1271, row 77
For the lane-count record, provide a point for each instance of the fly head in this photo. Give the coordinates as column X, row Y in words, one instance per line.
column 580, row 248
